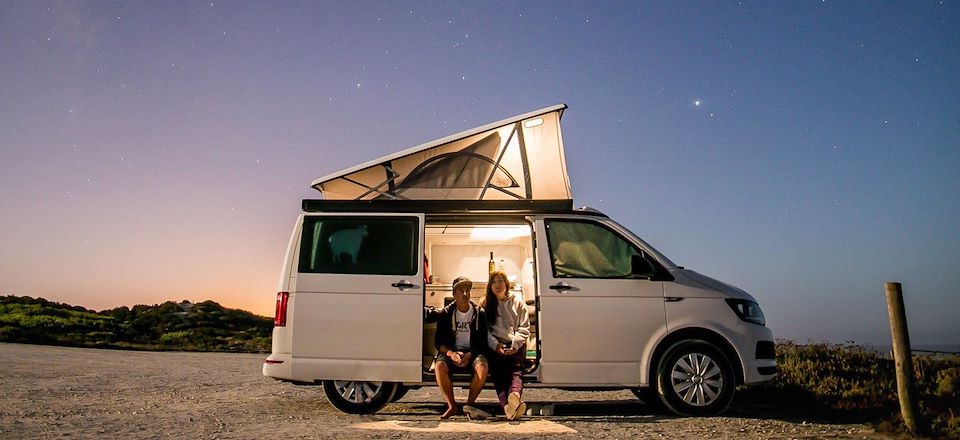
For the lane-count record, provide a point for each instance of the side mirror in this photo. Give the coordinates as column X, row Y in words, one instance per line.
column 642, row 267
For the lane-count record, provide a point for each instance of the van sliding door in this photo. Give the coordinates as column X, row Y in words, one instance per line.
column 359, row 297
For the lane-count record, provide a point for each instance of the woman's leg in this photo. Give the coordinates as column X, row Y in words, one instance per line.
column 500, row 371
column 515, row 407
column 516, row 371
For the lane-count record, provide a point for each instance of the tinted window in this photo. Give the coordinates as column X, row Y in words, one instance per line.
column 588, row 250
column 360, row 245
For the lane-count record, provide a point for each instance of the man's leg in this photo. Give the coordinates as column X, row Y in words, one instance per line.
column 480, row 370
column 446, row 387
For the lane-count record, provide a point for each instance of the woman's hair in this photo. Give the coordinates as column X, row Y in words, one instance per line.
column 490, row 300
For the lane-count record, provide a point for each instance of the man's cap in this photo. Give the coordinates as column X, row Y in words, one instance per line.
column 462, row 280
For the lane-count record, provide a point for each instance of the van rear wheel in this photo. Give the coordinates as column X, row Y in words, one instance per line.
column 401, row 391
column 695, row 379
column 357, row 397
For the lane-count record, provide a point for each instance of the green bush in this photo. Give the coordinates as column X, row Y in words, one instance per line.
column 850, row 381
column 948, row 382
column 206, row 326
column 176, row 339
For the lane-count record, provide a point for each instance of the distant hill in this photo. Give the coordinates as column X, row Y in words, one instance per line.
column 205, row 326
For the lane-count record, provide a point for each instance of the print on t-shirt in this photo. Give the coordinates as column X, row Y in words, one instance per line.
column 463, row 329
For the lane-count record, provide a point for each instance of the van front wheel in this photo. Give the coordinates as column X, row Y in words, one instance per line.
column 695, row 379
column 356, row 397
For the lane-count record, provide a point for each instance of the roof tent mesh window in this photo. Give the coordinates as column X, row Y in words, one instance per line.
column 581, row 249
column 360, row 245
column 467, row 168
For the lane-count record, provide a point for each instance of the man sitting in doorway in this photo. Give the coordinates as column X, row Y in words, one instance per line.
column 461, row 341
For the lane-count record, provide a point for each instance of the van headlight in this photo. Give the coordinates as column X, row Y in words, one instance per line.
column 747, row 310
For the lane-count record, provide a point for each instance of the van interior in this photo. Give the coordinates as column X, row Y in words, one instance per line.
column 454, row 250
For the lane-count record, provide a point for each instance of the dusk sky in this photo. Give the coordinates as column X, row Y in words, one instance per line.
column 803, row 151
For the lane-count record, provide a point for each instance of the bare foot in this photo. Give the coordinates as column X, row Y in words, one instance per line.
column 451, row 411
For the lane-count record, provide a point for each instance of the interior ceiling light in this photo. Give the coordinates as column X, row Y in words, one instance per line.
column 499, row 233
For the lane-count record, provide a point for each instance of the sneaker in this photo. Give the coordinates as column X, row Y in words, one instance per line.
column 515, row 407
column 475, row 413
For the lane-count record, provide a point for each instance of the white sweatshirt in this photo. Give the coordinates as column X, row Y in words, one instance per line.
column 513, row 323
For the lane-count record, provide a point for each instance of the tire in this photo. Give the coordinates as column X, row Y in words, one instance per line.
column 694, row 378
column 401, row 391
column 356, row 397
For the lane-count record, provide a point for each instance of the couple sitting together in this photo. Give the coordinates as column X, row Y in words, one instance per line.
column 481, row 340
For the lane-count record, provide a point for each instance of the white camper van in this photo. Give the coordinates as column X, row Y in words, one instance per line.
column 607, row 310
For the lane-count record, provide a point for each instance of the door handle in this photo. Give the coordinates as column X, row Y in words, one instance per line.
column 403, row 284
column 561, row 287
column 673, row 299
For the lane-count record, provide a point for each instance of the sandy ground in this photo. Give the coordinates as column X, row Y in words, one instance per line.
column 56, row 392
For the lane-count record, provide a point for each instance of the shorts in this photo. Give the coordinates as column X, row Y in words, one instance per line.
column 478, row 359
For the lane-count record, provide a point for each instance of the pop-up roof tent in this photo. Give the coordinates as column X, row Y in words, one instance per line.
column 517, row 158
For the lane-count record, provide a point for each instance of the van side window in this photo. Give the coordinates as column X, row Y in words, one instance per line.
column 580, row 249
column 360, row 245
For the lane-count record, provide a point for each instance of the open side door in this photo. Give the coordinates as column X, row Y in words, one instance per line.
column 359, row 297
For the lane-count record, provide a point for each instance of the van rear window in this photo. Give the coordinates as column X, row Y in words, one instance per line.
column 360, row 245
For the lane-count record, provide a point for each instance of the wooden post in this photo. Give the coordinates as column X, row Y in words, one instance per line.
column 901, row 355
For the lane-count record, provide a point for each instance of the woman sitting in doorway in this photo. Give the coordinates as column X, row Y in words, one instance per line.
column 509, row 328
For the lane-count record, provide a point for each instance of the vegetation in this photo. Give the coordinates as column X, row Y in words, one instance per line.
column 205, row 326
column 848, row 382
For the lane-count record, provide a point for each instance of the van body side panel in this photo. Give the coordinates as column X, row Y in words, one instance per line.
column 280, row 338
column 713, row 313
column 593, row 338
column 595, row 330
column 358, row 336
column 289, row 270
column 357, row 326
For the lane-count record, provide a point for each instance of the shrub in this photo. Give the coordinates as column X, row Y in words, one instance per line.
column 859, row 383
column 206, row 326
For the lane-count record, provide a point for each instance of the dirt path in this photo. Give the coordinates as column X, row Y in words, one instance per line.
column 56, row 392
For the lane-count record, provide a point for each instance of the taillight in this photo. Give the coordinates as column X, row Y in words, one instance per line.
column 280, row 318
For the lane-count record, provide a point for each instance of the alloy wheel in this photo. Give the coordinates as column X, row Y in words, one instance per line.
column 357, row 392
column 697, row 379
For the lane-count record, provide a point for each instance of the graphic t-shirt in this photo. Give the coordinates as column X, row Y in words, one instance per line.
column 463, row 329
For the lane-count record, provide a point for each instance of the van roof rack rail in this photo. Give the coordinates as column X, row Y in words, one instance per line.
column 439, row 206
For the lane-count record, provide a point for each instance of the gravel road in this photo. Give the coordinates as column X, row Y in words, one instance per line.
column 57, row 392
